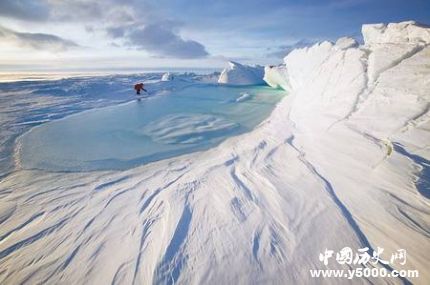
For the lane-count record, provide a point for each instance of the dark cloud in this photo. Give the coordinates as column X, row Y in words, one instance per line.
column 24, row 9
column 36, row 40
column 284, row 50
column 160, row 40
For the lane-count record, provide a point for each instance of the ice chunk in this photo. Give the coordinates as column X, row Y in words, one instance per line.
column 277, row 76
column 167, row 77
column 239, row 74
column 188, row 128
column 345, row 43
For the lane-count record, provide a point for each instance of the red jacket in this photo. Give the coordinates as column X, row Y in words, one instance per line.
column 138, row 86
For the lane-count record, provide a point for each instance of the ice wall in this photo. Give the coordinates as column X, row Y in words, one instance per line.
column 381, row 86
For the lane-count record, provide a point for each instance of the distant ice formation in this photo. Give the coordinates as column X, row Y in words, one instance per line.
column 239, row 74
column 167, row 77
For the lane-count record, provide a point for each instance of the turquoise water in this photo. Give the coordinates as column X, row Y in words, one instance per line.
column 150, row 129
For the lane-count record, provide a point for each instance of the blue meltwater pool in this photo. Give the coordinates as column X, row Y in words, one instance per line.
column 154, row 128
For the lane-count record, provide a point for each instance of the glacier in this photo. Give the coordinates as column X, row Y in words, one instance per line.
column 343, row 160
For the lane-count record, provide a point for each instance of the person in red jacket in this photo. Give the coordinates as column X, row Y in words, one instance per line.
column 138, row 87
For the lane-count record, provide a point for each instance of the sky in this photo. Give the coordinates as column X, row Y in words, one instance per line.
column 138, row 34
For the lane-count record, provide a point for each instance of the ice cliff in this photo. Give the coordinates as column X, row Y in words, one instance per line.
column 360, row 115
column 381, row 87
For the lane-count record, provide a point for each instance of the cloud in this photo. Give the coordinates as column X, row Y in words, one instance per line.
column 24, row 9
column 36, row 41
column 283, row 50
column 130, row 23
column 134, row 24
column 159, row 39
column 77, row 10
column 116, row 32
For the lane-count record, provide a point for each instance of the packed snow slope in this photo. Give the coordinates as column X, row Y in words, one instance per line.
column 342, row 161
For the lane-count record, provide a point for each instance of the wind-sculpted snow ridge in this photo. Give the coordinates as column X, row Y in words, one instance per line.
column 239, row 74
column 361, row 117
column 343, row 161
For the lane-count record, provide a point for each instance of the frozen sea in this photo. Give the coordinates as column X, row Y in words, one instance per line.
column 97, row 123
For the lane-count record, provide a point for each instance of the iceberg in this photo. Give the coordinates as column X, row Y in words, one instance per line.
column 239, row 74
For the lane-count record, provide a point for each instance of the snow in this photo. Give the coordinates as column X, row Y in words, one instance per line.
column 243, row 96
column 238, row 74
column 345, row 43
column 343, row 160
column 408, row 32
column 167, row 77
column 360, row 116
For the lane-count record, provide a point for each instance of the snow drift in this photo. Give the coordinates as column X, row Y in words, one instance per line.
column 342, row 161
column 238, row 74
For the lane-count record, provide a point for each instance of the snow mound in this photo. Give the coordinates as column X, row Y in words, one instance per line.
column 398, row 33
column 239, row 74
column 188, row 128
column 167, row 77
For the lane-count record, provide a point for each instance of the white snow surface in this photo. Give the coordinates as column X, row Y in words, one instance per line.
column 239, row 74
column 343, row 160
column 408, row 32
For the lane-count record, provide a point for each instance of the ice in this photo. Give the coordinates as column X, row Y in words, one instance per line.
column 161, row 126
column 354, row 111
column 167, row 77
column 239, row 74
column 345, row 43
column 343, row 160
column 188, row 128
column 243, row 96
column 409, row 32
column 277, row 77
